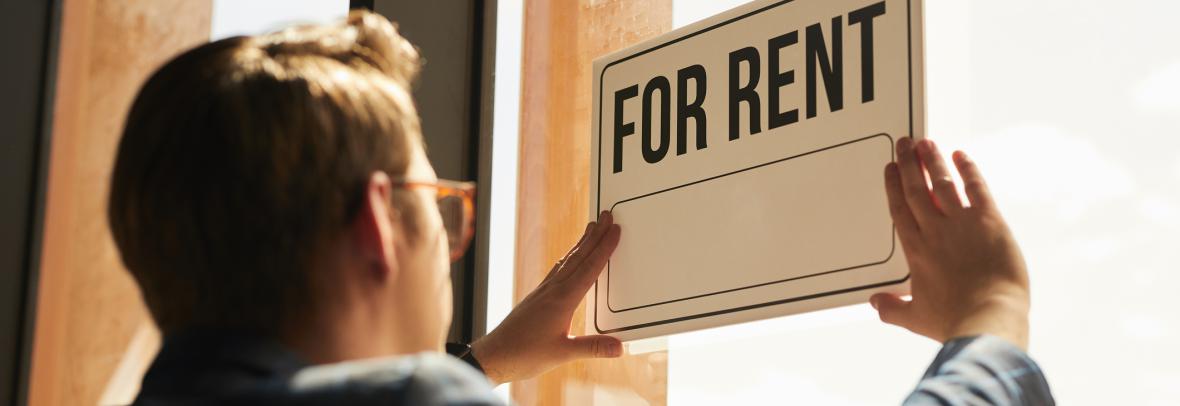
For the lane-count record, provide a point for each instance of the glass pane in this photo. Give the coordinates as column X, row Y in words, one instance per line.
column 1074, row 123
column 505, row 143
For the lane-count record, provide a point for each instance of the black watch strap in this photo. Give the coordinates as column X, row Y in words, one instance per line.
column 464, row 353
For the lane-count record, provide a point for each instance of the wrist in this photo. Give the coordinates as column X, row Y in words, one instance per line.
column 1000, row 317
column 490, row 365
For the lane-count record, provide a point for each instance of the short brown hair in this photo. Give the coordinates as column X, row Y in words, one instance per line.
column 241, row 157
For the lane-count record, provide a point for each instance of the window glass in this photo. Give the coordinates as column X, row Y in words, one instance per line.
column 236, row 17
column 1071, row 110
column 505, row 142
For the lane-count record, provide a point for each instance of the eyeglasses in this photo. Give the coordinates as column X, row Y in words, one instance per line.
column 456, row 205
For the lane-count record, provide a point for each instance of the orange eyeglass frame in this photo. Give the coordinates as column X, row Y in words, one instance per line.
column 446, row 189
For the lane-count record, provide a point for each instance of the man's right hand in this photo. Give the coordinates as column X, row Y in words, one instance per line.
column 967, row 274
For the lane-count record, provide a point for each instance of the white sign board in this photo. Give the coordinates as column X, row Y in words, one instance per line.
column 743, row 157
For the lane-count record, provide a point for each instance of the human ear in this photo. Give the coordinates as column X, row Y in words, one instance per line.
column 373, row 230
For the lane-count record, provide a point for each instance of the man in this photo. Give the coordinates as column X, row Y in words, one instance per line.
column 272, row 200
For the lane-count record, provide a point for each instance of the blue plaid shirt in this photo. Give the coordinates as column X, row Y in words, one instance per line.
column 982, row 370
column 220, row 368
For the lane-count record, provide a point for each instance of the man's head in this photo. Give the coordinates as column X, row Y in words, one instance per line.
column 256, row 187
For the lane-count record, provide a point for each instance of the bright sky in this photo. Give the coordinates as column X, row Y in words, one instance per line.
column 1072, row 110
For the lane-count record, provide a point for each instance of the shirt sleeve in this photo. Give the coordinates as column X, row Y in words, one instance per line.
column 981, row 370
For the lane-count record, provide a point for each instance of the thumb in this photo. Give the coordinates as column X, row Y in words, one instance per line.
column 893, row 310
column 598, row 346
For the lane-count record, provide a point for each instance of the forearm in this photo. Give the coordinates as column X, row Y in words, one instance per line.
column 982, row 370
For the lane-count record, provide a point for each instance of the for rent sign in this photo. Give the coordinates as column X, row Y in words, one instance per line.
column 743, row 157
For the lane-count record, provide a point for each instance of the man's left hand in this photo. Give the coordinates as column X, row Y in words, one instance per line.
column 535, row 338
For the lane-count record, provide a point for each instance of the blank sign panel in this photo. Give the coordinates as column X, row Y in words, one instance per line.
column 786, row 204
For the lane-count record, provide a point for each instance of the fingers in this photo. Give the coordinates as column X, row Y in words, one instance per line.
column 893, row 310
column 597, row 346
column 903, row 219
column 589, row 228
column 605, row 220
column 913, row 182
column 973, row 183
column 557, row 267
column 945, row 194
column 587, row 272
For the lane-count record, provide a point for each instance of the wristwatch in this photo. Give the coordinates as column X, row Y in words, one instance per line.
column 464, row 353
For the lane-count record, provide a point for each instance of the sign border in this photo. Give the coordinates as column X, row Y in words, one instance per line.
column 598, row 194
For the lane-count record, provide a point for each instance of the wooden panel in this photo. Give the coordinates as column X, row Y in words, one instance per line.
column 93, row 336
column 561, row 39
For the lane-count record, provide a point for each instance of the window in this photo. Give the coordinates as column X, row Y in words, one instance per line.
column 1070, row 108
column 505, row 143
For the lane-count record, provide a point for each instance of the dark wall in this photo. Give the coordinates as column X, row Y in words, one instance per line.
column 26, row 36
column 443, row 33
